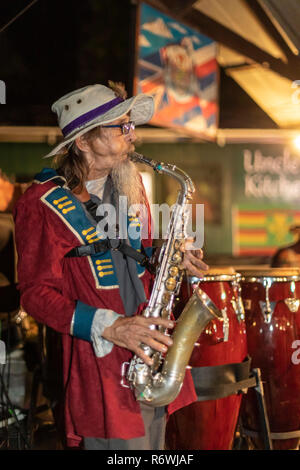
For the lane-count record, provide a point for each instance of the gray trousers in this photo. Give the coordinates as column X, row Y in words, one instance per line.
column 154, row 439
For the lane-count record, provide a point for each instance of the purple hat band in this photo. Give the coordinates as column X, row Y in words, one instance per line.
column 89, row 116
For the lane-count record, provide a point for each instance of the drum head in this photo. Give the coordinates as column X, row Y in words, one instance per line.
column 219, row 270
column 253, row 272
column 217, row 273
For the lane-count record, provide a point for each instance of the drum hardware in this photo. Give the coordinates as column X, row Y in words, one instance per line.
column 21, row 315
column 23, row 321
column 262, row 412
column 292, row 304
column 238, row 307
column 225, row 324
column 267, row 309
column 274, row 435
column 237, row 302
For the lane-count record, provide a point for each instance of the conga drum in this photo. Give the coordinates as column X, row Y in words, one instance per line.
column 271, row 298
column 210, row 424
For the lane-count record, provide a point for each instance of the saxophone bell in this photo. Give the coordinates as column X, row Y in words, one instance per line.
column 164, row 386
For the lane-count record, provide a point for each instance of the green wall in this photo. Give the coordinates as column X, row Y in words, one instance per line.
column 218, row 172
column 23, row 160
column 194, row 159
column 253, row 179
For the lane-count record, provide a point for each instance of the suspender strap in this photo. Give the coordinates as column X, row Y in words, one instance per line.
column 92, row 207
column 102, row 246
column 59, row 181
column 127, row 250
column 87, row 250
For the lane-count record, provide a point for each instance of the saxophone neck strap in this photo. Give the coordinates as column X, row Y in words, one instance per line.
column 102, row 246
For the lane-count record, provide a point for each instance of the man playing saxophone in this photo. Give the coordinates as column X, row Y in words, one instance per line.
column 90, row 290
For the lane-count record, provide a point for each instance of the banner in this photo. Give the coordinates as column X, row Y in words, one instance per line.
column 262, row 232
column 178, row 67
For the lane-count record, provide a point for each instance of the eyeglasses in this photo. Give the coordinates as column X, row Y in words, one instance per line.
column 126, row 127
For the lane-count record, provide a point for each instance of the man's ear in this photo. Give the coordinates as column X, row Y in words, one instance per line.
column 82, row 143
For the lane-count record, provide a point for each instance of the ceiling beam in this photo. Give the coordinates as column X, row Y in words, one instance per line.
column 159, row 4
column 52, row 135
column 225, row 36
column 211, row 28
column 268, row 26
column 179, row 7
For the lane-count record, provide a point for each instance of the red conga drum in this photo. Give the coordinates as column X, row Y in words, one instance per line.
column 210, row 424
column 271, row 300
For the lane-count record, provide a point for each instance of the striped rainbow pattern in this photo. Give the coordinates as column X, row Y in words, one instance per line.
column 262, row 232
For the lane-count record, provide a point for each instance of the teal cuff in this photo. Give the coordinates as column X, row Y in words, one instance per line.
column 83, row 319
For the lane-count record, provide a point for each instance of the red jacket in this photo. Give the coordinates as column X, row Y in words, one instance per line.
column 96, row 405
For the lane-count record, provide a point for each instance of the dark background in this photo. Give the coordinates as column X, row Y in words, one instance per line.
column 59, row 45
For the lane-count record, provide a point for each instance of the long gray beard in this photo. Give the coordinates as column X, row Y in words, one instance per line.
column 127, row 181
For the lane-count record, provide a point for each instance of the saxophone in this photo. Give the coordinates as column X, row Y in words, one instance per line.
column 160, row 383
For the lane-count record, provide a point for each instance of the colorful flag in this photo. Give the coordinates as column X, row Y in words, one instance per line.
column 178, row 67
column 262, row 232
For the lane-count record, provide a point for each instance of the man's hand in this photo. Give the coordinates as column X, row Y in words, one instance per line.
column 192, row 260
column 130, row 332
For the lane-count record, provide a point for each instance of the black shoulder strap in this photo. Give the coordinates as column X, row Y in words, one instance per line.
column 102, row 246
column 91, row 207
column 59, row 181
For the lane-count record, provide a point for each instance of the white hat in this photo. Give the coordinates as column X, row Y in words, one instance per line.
column 94, row 105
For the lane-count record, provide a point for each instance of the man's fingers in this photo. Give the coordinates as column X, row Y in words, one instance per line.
column 153, row 343
column 156, row 344
column 198, row 253
column 146, row 359
column 159, row 338
column 187, row 244
column 195, row 263
column 132, row 332
column 159, row 321
column 199, row 263
column 195, row 270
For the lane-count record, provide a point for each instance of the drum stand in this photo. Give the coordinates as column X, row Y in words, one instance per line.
column 263, row 415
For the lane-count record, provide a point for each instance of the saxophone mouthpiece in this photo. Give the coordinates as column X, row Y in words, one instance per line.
column 139, row 158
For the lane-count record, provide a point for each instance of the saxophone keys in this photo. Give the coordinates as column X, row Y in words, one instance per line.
column 177, row 244
column 177, row 257
column 165, row 313
column 166, row 298
column 171, row 283
column 173, row 271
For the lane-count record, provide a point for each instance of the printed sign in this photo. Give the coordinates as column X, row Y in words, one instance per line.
column 178, row 67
